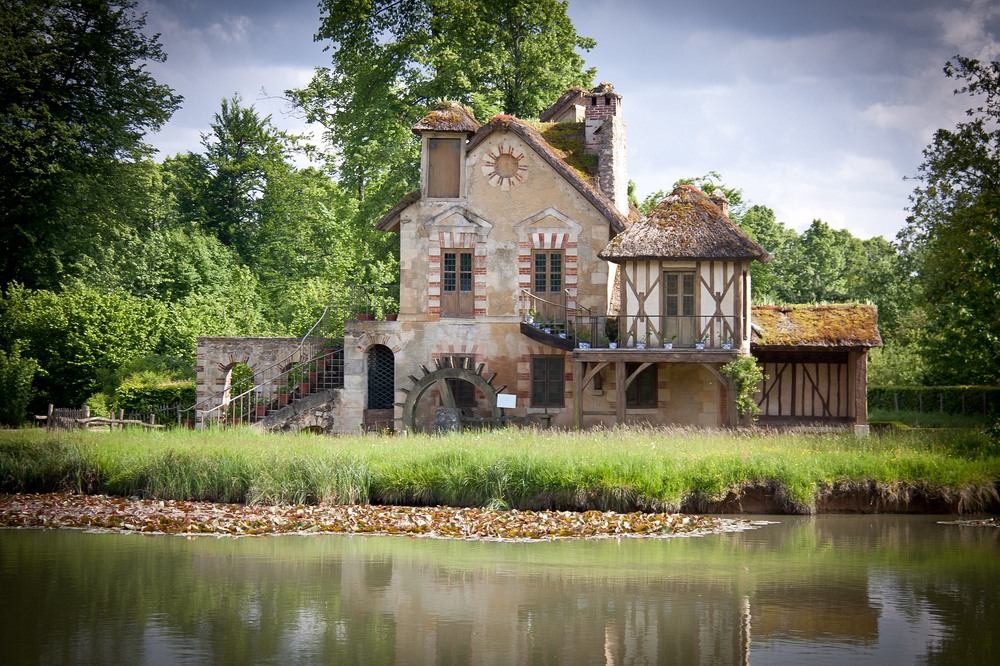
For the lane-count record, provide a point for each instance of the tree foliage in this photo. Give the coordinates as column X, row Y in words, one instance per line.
column 391, row 59
column 77, row 333
column 75, row 102
column 16, row 376
column 953, row 233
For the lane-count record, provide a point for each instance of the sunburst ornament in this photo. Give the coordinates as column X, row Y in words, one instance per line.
column 505, row 167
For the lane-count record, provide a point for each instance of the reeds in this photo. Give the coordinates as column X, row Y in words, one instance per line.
column 622, row 469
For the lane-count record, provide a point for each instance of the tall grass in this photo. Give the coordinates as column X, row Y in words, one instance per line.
column 621, row 469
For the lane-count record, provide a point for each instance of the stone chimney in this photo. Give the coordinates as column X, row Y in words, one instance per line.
column 605, row 137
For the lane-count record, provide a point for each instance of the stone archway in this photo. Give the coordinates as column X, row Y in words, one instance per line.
column 455, row 368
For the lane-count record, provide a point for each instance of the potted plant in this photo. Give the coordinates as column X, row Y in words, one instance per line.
column 530, row 317
column 582, row 338
column 283, row 393
column 727, row 343
column 547, row 326
column 700, row 344
column 259, row 405
column 668, row 343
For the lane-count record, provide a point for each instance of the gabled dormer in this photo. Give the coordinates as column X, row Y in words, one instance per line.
column 685, row 274
column 444, row 133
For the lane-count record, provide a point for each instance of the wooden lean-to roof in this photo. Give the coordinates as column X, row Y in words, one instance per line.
column 685, row 225
column 814, row 326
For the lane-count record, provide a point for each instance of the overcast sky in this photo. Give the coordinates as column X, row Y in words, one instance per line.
column 815, row 109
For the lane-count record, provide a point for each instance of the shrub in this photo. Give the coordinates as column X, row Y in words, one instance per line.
column 16, row 377
column 142, row 393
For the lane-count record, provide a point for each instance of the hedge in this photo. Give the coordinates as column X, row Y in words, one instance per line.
column 143, row 398
column 947, row 399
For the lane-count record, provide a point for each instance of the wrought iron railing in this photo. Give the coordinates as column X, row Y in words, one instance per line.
column 378, row 301
column 638, row 332
column 272, row 387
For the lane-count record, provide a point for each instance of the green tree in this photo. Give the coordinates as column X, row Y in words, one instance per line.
column 77, row 334
column 16, row 376
column 953, row 233
column 391, row 60
column 75, row 101
column 770, row 281
column 243, row 154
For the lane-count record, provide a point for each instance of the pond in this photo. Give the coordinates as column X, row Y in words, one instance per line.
column 822, row 590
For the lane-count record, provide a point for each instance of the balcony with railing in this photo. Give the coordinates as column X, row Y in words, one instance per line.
column 586, row 333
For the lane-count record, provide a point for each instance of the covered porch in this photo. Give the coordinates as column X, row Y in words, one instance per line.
column 630, row 370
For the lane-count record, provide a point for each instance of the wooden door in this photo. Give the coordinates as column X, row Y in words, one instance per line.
column 457, row 293
column 548, row 284
column 679, row 320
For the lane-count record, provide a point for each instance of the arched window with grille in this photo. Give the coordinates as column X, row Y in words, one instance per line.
column 381, row 377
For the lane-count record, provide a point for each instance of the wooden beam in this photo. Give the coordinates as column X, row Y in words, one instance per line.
column 578, row 370
column 620, row 391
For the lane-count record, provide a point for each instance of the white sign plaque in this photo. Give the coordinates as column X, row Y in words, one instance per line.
column 506, row 400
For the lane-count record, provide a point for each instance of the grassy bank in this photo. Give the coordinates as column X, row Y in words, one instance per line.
column 622, row 470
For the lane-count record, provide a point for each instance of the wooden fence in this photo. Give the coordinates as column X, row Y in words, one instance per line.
column 66, row 418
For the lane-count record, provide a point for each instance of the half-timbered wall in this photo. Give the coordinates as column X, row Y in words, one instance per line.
column 721, row 304
column 806, row 387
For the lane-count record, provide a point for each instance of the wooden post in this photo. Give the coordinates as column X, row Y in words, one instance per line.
column 620, row 392
column 578, row 371
column 51, row 413
column 861, row 387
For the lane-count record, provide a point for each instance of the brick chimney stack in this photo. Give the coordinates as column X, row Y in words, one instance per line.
column 605, row 137
column 600, row 110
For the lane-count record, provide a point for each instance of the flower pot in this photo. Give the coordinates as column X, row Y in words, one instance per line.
column 612, row 345
column 583, row 345
column 261, row 410
column 668, row 345
column 727, row 345
column 562, row 335
column 699, row 345
column 548, row 330
column 640, row 345
column 366, row 316
column 282, row 399
column 304, row 388
column 391, row 317
column 529, row 319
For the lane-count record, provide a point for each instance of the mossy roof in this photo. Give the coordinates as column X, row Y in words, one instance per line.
column 815, row 326
column 558, row 159
column 685, row 225
column 448, row 117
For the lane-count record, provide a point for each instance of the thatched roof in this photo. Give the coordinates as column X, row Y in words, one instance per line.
column 685, row 225
column 448, row 117
column 815, row 326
